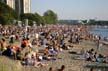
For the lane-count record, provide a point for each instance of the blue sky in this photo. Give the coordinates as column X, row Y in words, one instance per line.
column 73, row 9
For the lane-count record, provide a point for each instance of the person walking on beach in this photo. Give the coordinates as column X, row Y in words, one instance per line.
column 99, row 44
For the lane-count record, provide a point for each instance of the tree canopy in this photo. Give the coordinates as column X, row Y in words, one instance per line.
column 50, row 17
column 32, row 17
column 7, row 14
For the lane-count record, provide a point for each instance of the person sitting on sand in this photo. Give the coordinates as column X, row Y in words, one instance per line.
column 46, row 51
column 91, row 69
column 62, row 68
column 40, row 64
column 33, row 61
column 25, row 43
column 12, row 38
column 50, row 69
column 14, row 50
column 99, row 57
column 8, row 51
column 65, row 47
column 87, row 56
column 3, row 45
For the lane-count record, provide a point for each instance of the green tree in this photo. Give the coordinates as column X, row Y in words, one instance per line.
column 5, row 19
column 39, row 19
column 7, row 14
column 32, row 17
column 28, row 16
column 50, row 17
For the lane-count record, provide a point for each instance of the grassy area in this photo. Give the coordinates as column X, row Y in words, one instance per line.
column 7, row 64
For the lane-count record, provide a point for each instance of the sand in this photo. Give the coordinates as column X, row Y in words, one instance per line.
column 71, row 62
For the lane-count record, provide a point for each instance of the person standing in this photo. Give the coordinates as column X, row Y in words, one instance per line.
column 99, row 44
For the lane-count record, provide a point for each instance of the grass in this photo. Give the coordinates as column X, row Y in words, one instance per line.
column 7, row 64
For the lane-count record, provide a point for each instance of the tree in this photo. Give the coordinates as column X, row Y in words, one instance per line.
column 28, row 16
column 32, row 17
column 50, row 17
column 5, row 19
column 39, row 19
column 7, row 14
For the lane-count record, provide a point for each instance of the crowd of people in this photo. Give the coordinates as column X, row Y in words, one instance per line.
column 34, row 44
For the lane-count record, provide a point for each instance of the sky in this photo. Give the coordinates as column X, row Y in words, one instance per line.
column 73, row 9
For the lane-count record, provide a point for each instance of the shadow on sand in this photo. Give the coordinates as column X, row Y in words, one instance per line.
column 98, row 68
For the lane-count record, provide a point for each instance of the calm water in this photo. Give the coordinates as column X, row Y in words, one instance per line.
column 103, row 32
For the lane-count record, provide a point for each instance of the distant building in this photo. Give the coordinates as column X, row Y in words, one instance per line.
column 69, row 22
column 27, row 5
column 21, row 6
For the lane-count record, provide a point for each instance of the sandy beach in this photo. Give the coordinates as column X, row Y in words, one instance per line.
column 72, row 58
column 71, row 62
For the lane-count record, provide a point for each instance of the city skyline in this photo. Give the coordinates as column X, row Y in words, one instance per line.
column 73, row 9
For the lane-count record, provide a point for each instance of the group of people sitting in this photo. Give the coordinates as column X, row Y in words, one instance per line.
column 90, row 55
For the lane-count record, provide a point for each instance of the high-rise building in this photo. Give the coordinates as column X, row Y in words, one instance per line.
column 21, row 6
column 26, row 6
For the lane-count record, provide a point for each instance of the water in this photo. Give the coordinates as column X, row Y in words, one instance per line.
column 101, row 31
